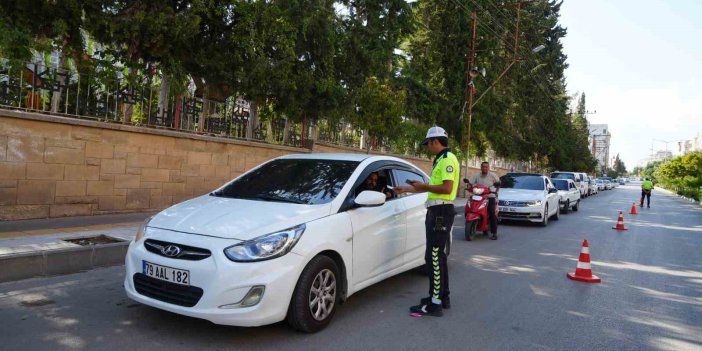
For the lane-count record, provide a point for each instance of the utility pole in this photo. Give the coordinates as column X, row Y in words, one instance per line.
column 469, row 84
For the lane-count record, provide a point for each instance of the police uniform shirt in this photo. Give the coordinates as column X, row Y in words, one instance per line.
column 446, row 167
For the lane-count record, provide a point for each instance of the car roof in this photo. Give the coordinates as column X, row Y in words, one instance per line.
column 329, row 156
column 523, row 174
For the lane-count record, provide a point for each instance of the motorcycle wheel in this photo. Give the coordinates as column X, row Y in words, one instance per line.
column 470, row 230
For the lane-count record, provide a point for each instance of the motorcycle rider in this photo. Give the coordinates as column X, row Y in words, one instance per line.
column 646, row 188
column 488, row 179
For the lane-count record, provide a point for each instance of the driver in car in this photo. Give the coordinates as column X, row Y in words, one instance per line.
column 372, row 183
column 488, row 179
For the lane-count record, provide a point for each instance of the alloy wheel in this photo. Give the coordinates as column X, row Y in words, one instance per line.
column 322, row 294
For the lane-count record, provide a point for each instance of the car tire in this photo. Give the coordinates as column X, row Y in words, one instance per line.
column 557, row 215
column 576, row 206
column 301, row 316
column 566, row 208
column 470, row 230
column 544, row 222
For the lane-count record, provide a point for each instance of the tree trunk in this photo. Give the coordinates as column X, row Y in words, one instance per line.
column 253, row 120
column 286, row 132
column 162, row 112
column 56, row 97
column 128, row 109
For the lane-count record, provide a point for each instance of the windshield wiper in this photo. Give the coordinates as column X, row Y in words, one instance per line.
column 279, row 199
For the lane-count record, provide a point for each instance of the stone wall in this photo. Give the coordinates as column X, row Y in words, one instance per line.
column 55, row 166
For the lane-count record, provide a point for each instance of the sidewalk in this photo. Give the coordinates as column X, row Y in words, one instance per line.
column 40, row 248
column 32, row 248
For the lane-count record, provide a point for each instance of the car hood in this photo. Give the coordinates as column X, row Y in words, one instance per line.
column 521, row 194
column 235, row 218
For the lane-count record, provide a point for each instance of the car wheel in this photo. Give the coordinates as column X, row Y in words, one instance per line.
column 315, row 296
column 471, row 228
column 566, row 207
column 576, row 206
column 557, row 215
column 544, row 222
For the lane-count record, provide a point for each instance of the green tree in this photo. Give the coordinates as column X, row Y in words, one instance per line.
column 378, row 109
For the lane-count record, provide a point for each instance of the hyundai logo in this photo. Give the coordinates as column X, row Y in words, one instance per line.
column 506, row 203
column 171, row 251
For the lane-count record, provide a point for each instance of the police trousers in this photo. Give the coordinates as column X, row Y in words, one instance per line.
column 438, row 225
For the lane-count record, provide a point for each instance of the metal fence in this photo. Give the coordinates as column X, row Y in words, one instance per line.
column 44, row 88
column 105, row 94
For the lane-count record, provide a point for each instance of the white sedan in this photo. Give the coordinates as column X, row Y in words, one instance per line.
column 528, row 197
column 289, row 239
column 568, row 193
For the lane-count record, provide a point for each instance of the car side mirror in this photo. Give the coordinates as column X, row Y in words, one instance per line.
column 368, row 198
column 552, row 190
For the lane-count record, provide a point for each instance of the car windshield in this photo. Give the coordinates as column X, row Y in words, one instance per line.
column 522, row 182
column 561, row 184
column 300, row 181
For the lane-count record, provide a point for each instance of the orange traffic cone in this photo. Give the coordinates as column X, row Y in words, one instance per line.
column 583, row 271
column 633, row 209
column 620, row 222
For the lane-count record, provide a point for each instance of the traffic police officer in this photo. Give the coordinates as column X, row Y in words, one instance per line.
column 646, row 188
column 442, row 189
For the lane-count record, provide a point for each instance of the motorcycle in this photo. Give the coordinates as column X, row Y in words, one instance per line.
column 476, row 210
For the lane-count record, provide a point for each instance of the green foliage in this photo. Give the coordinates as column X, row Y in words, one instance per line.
column 682, row 174
column 378, row 108
column 618, row 168
column 391, row 67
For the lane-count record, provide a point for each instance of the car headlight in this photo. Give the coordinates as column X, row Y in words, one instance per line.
column 265, row 247
column 141, row 232
column 534, row 203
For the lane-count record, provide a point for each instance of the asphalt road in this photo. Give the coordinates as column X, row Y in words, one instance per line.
column 509, row 294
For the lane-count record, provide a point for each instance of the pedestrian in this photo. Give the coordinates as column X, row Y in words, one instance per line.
column 442, row 189
column 646, row 189
column 488, row 179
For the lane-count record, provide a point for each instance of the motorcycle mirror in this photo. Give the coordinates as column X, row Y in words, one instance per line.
column 465, row 180
column 496, row 184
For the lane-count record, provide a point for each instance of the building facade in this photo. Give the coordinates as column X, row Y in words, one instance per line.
column 691, row 145
column 599, row 145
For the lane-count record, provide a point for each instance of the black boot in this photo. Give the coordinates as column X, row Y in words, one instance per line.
column 445, row 302
column 432, row 309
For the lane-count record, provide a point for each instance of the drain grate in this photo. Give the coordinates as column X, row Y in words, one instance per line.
column 94, row 240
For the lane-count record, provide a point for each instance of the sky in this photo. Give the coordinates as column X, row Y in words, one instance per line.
column 639, row 63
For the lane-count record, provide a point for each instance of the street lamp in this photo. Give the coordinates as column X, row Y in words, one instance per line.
column 538, row 48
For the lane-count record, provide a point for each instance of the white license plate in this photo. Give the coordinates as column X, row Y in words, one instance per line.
column 476, row 198
column 508, row 209
column 173, row 275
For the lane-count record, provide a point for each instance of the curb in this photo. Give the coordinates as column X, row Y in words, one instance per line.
column 682, row 197
column 61, row 261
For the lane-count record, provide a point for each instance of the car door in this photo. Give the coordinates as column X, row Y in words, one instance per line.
column 415, row 214
column 574, row 193
column 551, row 198
column 379, row 235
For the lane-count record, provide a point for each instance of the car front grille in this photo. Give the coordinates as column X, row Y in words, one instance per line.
column 518, row 215
column 181, row 295
column 512, row 203
column 184, row 252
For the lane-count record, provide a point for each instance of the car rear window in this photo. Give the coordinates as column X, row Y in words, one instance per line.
column 302, row 181
column 561, row 184
column 570, row 176
column 522, row 182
